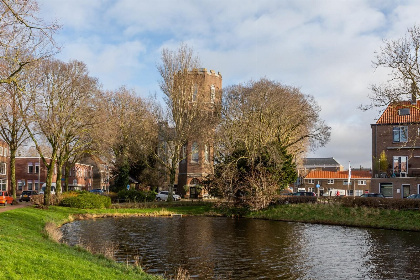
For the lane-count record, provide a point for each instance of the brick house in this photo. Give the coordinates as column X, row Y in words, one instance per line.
column 4, row 167
column 360, row 181
column 395, row 135
column 31, row 173
column 197, row 155
column 309, row 164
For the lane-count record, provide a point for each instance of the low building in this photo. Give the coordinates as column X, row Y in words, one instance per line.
column 322, row 182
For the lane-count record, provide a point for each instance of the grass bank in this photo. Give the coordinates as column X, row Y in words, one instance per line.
column 28, row 253
column 334, row 214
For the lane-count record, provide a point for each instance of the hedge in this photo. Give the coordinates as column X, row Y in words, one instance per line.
column 86, row 200
column 136, row 196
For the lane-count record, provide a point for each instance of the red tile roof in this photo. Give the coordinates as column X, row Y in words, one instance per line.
column 390, row 115
column 355, row 174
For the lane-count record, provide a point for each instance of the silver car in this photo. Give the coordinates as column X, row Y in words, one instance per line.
column 163, row 195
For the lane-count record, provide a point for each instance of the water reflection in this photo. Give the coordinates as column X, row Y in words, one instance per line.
column 222, row 248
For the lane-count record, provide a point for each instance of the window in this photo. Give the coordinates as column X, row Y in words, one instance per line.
column 346, row 182
column 386, row 189
column 311, row 190
column 36, row 168
column 400, row 166
column 311, row 181
column 361, row 182
column 330, row 181
column 358, row 192
column 3, row 168
column 1, row 151
column 194, row 152
column 20, row 185
column 195, row 92
column 30, row 185
column 212, row 93
column 30, row 168
column 5, row 152
column 400, row 133
column 184, row 152
column 36, row 185
column 3, row 184
column 206, row 153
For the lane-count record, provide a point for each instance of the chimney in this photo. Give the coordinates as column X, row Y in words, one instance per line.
column 414, row 92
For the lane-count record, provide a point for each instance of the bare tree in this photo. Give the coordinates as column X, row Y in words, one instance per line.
column 63, row 111
column 265, row 126
column 401, row 58
column 12, row 126
column 130, row 131
column 185, row 117
column 24, row 38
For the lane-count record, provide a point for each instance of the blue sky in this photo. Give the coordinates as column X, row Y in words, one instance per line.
column 325, row 48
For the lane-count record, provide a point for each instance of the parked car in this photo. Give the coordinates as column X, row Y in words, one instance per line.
column 372, row 195
column 97, row 191
column 53, row 188
column 26, row 195
column 5, row 198
column 304, row 194
column 414, row 196
column 163, row 195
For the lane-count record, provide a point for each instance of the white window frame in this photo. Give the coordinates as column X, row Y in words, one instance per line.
column 330, row 181
column 398, row 160
column 30, row 167
column 194, row 152
column 3, row 184
column 20, row 184
column 361, row 182
column 3, row 168
column 30, row 185
column 212, row 93
column 311, row 181
column 400, row 134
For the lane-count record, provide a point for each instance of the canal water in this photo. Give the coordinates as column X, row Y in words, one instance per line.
column 224, row 248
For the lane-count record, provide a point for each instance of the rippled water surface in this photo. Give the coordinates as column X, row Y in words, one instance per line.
column 223, row 248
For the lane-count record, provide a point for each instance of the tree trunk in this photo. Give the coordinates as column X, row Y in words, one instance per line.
column 58, row 181
column 47, row 192
column 13, row 172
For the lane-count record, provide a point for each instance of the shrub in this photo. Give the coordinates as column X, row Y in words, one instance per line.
column 85, row 200
column 290, row 199
column 39, row 199
column 136, row 196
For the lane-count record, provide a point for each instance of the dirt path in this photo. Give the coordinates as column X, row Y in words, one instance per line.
column 11, row 207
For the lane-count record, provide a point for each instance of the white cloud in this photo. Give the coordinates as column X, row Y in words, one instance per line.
column 323, row 47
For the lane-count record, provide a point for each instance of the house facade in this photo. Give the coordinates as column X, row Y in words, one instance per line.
column 4, row 167
column 310, row 164
column 197, row 155
column 31, row 173
column 323, row 182
column 396, row 150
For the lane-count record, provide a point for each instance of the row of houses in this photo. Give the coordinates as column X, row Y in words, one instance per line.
column 395, row 159
column 31, row 173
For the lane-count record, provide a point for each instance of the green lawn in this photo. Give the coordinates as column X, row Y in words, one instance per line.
column 338, row 215
column 28, row 253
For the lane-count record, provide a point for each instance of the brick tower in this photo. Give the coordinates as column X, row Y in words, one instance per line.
column 198, row 155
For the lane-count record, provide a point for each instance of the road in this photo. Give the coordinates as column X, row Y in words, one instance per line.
column 11, row 207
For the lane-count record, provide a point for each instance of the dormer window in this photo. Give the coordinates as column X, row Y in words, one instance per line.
column 404, row 112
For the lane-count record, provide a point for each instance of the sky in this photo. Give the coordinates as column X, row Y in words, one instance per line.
column 324, row 48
